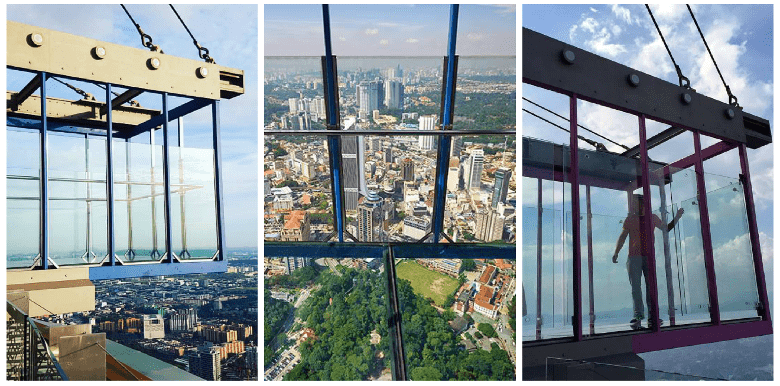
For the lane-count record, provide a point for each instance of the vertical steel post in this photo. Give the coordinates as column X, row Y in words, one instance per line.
column 182, row 209
column 443, row 158
column 539, row 212
column 218, row 181
column 110, row 177
column 574, row 181
column 709, row 261
column 334, row 141
column 758, row 263
column 167, row 181
column 667, row 250
column 130, row 249
column 44, row 178
column 647, row 235
column 155, row 248
column 589, row 222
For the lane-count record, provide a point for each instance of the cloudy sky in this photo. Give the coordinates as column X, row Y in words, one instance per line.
column 384, row 30
column 741, row 40
column 230, row 33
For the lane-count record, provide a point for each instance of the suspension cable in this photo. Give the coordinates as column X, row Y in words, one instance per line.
column 732, row 98
column 203, row 52
column 597, row 145
column 146, row 40
column 581, row 126
column 132, row 102
column 81, row 92
column 684, row 82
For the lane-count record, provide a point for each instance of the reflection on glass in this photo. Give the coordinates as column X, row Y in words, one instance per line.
column 481, row 189
column 193, row 206
column 457, row 318
column 293, row 94
column 326, row 319
column 296, row 185
column 486, row 96
column 22, row 204
column 732, row 253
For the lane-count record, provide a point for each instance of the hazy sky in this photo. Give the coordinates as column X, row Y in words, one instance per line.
column 385, row 30
column 230, row 34
column 741, row 39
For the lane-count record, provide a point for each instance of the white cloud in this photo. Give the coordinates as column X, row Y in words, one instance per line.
column 384, row 42
column 616, row 30
column 594, row 10
column 412, row 40
column 590, row 24
column 600, row 43
column 372, row 31
column 505, row 8
column 343, row 39
column 474, row 36
column 622, row 13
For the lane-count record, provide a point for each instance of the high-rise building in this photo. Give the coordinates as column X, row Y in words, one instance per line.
column 475, row 169
column 408, row 169
column 453, row 176
column 293, row 263
column 370, row 95
column 427, row 122
column 183, row 320
column 154, row 327
column 369, row 218
column 389, row 155
column 394, row 94
column 293, row 105
column 353, row 167
column 501, row 186
column 206, row 363
column 490, row 225
column 456, row 146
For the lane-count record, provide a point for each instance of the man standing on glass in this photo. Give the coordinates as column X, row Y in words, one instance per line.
column 637, row 263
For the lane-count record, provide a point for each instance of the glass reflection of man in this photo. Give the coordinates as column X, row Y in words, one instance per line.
column 637, row 263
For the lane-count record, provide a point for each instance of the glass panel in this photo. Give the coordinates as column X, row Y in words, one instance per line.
column 193, row 206
column 486, row 96
column 293, row 98
column 552, row 294
column 482, row 189
column 455, row 317
column 731, row 249
column 326, row 319
column 23, row 202
column 298, row 204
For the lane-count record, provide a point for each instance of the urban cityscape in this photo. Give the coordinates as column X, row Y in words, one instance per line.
column 325, row 319
column 201, row 324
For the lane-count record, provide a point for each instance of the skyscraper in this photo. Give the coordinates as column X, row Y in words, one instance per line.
column 394, row 94
column 453, row 176
column 370, row 218
column 475, row 169
column 370, row 95
column 389, row 155
column 206, row 362
column 154, row 327
column 353, row 166
column 456, row 146
column 427, row 122
column 501, row 186
column 293, row 263
column 183, row 320
column 408, row 169
column 490, row 225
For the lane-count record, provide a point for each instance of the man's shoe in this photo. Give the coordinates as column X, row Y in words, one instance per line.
column 650, row 323
column 635, row 324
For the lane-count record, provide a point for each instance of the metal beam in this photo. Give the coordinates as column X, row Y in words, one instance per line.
column 44, row 182
column 443, row 158
column 175, row 113
column 218, row 196
column 110, row 177
column 574, row 174
column 655, row 141
column 25, row 93
column 758, row 262
column 605, row 82
column 167, row 182
column 400, row 250
column 122, row 99
column 704, row 217
column 384, row 132
column 330, row 77
column 93, row 60
column 696, row 335
column 648, row 229
column 156, row 269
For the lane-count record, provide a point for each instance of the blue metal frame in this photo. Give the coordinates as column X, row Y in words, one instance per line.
column 175, row 113
column 218, row 180
column 167, row 182
column 334, row 141
column 44, row 181
column 110, row 176
column 443, row 158
column 156, row 269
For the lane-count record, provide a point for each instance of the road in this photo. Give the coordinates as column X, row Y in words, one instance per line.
column 332, row 264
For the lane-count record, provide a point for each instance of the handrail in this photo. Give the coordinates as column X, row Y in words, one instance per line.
column 31, row 346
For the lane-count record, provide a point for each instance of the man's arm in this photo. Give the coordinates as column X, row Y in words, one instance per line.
column 674, row 221
column 619, row 246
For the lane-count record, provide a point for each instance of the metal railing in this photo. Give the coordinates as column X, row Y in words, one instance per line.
column 607, row 371
column 28, row 355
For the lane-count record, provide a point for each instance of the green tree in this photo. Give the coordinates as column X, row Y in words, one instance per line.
column 487, row 330
column 468, row 265
column 425, row 374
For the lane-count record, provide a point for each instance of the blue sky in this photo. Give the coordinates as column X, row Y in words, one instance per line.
column 388, row 30
column 741, row 40
column 230, row 33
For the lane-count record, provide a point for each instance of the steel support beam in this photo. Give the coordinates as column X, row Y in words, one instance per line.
column 167, row 182
column 539, row 212
column 574, row 174
column 175, row 113
column 443, row 158
column 709, row 263
column 121, row 99
column 218, row 191
column 758, row 262
column 44, row 181
column 156, row 269
column 591, row 304
column 334, row 141
column 648, row 229
column 696, row 335
column 26, row 92
column 110, row 177
column 667, row 256
column 655, row 141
